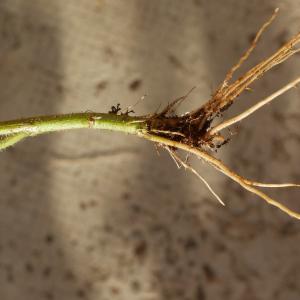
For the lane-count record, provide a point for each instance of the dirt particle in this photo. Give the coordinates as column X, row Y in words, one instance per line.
column 135, row 84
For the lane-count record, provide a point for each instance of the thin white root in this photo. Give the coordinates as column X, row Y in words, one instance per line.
column 217, row 164
column 172, row 154
column 254, row 108
column 178, row 160
column 271, row 185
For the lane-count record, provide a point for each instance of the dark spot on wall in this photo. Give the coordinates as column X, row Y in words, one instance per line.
column 82, row 205
column 212, row 37
column 12, row 244
column 47, row 272
column 59, row 88
column 109, row 51
column 102, row 275
column 126, row 196
column 69, row 275
column 60, row 253
column 48, row 295
column 36, row 253
column 200, row 295
column 190, row 244
column 108, row 228
column 74, row 242
column 198, row 2
column 288, row 229
column 80, row 293
column 49, row 239
column 203, row 234
column 135, row 208
column 88, row 204
column 135, row 84
column 29, row 268
column 179, row 271
column 251, row 37
column 171, row 256
column 115, row 290
column 135, row 286
column 175, row 61
column 282, row 37
column 9, row 274
column 209, row 273
column 180, row 293
column 90, row 248
column 219, row 247
column 164, row 185
column 10, row 278
column 13, row 181
column 140, row 249
column 100, row 86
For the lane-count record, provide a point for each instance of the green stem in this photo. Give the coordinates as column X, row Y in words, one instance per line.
column 13, row 131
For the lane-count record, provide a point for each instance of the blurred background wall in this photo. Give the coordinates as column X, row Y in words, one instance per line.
column 89, row 215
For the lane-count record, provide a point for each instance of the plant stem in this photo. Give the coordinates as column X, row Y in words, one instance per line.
column 13, row 131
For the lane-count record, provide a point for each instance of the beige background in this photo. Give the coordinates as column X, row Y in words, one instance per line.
column 89, row 215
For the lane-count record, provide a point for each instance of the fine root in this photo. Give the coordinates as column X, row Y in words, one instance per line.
column 179, row 162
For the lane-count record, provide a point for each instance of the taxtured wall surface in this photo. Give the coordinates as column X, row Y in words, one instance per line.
column 92, row 215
